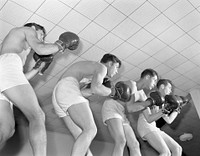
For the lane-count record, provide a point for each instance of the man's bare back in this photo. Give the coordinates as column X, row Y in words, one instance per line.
column 84, row 69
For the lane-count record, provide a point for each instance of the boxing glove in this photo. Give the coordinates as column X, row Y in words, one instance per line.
column 68, row 40
column 155, row 98
column 107, row 82
column 172, row 103
column 39, row 59
column 121, row 92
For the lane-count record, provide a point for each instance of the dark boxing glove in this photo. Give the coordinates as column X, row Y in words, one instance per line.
column 172, row 103
column 39, row 59
column 155, row 98
column 121, row 92
column 68, row 40
column 107, row 82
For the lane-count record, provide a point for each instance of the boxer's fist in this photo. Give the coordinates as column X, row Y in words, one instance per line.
column 121, row 92
column 155, row 98
column 68, row 40
column 172, row 103
column 39, row 59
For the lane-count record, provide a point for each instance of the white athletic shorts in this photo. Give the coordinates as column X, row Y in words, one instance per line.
column 65, row 94
column 11, row 72
column 112, row 109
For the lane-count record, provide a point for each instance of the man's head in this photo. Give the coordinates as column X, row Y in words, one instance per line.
column 150, row 78
column 165, row 87
column 41, row 32
column 112, row 63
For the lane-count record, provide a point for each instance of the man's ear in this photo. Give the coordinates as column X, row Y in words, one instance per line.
column 33, row 27
column 147, row 77
column 162, row 86
column 110, row 63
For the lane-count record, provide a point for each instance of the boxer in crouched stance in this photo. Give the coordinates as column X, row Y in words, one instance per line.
column 14, row 85
column 158, row 139
column 70, row 103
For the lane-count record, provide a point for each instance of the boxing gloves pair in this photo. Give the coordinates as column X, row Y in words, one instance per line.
column 67, row 40
column 155, row 98
column 174, row 103
column 39, row 59
column 121, row 92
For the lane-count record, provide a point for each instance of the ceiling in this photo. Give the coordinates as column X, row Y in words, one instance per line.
column 163, row 35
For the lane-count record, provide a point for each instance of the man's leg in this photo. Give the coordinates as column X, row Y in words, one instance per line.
column 7, row 123
column 116, row 130
column 75, row 130
column 24, row 97
column 81, row 115
column 174, row 147
column 132, row 141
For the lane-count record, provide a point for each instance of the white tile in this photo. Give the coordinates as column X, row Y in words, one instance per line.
column 93, row 54
column 5, row 28
column 163, row 5
column 182, row 43
column 144, row 14
column 2, row 3
column 195, row 33
column 91, row 8
column 77, row 22
column 137, row 58
column 171, row 75
column 180, row 80
column 162, row 69
column 191, row 51
column 124, row 50
column 158, row 25
column 140, row 38
column 125, row 67
column 54, row 68
column 126, row 28
column 153, row 47
column 30, row 5
column 106, row 42
column 190, row 21
column 196, row 59
column 14, row 17
column 83, row 46
column 53, row 10
column 93, row 33
column 175, row 61
column 37, row 19
column 164, row 54
column 51, row 82
column 195, row 3
column 110, row 18
column 127, row 6
column 187, row 85
column 150, row 63
column 70, row 3
column 185, row 67
column 171, row 34
column 193, row 74
column 134, row 74
column 178, row 10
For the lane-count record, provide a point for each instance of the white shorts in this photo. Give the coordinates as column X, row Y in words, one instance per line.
column 112, row 109
column 65, row 94
column 11, row 71
column 144, row 128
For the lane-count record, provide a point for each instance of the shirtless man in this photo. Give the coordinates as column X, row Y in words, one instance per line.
column 114, row 113
column 71, row 105
column 14, row 86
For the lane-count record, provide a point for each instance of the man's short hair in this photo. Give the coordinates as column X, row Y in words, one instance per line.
column 37, row 27
column 110, row 57
column 164, row 82
column 149, row 72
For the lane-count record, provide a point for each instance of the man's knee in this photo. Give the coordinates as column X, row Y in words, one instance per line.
column 6, row 132
column 178, row 150
column 120, row 140
column 38, row 116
